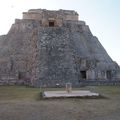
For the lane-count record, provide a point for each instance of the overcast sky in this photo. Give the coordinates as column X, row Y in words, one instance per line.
column 102, row 16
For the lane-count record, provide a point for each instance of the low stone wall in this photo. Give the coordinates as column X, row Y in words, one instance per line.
column 98, row 82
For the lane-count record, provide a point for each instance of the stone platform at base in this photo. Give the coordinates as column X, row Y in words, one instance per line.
column 74, row 93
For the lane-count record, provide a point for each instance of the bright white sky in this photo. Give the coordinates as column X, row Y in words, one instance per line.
column 102, row 16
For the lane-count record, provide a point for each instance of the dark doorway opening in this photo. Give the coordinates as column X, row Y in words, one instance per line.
column 21, row 75
column 83, row 74
column 51, row 24
column 108, row 74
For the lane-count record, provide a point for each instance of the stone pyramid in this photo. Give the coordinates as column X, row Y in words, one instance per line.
column 51, row 48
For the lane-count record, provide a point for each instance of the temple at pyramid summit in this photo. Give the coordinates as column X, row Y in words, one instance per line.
column 49, row 48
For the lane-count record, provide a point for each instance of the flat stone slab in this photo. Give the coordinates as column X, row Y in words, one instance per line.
column 75, row 93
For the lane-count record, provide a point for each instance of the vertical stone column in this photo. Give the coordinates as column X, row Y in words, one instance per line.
column 90, row 74
column 68, row 87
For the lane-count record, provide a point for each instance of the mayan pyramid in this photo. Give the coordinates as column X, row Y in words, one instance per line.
column 48, row 48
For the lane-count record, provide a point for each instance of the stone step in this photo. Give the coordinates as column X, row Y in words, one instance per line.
column 65, row 94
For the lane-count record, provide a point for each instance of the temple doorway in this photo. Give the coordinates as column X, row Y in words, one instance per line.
column 83, row 74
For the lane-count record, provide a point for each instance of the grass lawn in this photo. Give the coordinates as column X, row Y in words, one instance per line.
column 18, row 93
column 24, row 103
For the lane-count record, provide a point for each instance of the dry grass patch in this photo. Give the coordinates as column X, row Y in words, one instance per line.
column 21, row 103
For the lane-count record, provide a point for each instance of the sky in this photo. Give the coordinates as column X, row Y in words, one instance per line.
column 102, row 16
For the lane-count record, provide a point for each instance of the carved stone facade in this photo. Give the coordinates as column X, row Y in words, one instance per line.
column 51, row 18
column 49, row 48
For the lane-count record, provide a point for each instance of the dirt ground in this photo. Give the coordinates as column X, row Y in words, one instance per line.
column 21, row 103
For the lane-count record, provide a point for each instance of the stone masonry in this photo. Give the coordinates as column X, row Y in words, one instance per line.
column 49, row 48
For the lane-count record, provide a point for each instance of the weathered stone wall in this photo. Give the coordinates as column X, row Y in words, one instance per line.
column 55, row 58
column 32, row 16
column 71, row 17
column 20, row 46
